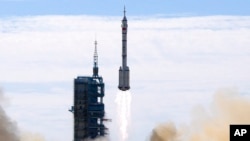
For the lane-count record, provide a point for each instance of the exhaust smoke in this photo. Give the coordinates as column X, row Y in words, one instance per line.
column 123, row 101
column 27, row 136
column 9, row 130
column 228, row 107
column 164, row 132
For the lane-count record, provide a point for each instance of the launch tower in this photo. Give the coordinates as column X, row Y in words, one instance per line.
column 88, row 106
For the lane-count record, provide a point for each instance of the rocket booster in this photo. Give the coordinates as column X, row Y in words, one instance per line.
column 124, row 69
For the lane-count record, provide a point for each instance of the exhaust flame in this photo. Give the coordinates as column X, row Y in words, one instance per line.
column 123, row 101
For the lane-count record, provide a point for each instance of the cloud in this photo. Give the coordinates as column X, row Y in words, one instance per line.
column 64, row 45
column 178, row 60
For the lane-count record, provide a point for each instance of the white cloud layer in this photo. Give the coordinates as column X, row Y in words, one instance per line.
column 178, row 62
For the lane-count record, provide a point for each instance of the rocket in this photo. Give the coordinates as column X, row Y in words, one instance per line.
column 124, row 69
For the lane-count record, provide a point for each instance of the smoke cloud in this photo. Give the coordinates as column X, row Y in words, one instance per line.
column 228, row 107
column 9, row 130
column 28, row 136
column 164, row 132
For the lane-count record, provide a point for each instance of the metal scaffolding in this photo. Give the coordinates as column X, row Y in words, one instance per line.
column 89, row 109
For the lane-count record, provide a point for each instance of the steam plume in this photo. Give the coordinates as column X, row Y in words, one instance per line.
column 228, row 107
column 123, row 101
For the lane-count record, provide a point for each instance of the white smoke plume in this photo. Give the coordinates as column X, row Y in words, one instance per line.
column 123, row 101
column 228, row 107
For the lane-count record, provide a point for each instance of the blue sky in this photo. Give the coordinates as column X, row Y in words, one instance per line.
column 114, row 7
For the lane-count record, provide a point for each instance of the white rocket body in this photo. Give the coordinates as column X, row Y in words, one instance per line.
column 124, row 69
